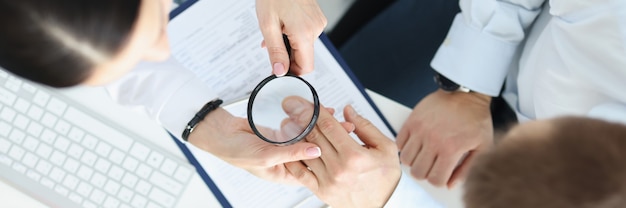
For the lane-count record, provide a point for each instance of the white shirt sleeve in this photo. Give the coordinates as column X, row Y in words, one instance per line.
column 165, row 91
column 409, row 194
column 483, row 40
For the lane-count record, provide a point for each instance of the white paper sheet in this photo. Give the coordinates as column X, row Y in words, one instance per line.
column 220, row 42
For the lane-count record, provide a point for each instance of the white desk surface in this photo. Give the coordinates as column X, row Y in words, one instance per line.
column 99, row 102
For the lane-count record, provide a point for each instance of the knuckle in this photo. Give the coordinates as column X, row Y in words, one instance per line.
column 417, row 173
column 326, row 124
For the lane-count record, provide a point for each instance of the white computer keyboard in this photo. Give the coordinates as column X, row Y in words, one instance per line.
column 66, row 156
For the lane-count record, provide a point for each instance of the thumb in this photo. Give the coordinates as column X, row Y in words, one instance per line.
column 365, row 130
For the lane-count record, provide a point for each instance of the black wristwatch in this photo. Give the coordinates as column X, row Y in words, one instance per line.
column 448, row 85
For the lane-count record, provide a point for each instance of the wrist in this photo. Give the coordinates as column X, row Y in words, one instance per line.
column 209, row 128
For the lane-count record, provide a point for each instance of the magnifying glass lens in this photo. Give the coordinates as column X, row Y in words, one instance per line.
column 267, row 115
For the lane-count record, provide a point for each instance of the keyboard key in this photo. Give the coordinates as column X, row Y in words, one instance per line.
column 35, row 113
column 57, row 175
column 88, row 123
column 49, row 120
column 31, row 143
column 71, row 165
column 61, row 144
column 29, row 88
column 22, row 105
column 155, row 159
column 76, row 134
column 21, row 122
column 5, row 128
column 90, row 142
column 4, row 146
column 117, row 157
column 162, row 198
column 143, row 187
column 30, row 160
column 116, row 173
column 102, row 165
column 56, row 106
column 98, row 180
column 89, row 158
column 7, row 97
column 58, row 158
column 103, row 149
column 140, row 151
column 85, row 173
column 97, row 196
column 7, row 114
column 125, row 195
column 84, row 189
column 130, row 164
column 111, row 187
column 75, row 150
column 62, row 127
column 129, row 180
column 48, row 136
column 17, row 136
column 34, row 129
column 16, row 152
column 139, row 201
column 13, row 84
column 70, row 181
column 5, row 160
column 144, row 171
column 111, row 202
column 44, row 150
column 41, row 98
column 43, row 167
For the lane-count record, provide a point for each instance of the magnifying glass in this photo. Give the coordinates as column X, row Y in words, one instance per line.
column 266, row 115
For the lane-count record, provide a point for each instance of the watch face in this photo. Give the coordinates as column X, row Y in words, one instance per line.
column 446, row 84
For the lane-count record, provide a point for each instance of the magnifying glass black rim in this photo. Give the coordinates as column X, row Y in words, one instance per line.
column 307, row 130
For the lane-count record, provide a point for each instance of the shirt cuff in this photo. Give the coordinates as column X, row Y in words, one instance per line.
column 474, row 59
column 165, row 91
column 409, row 194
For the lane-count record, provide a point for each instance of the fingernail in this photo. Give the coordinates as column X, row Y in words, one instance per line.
column 351, row 111
column 313, row 152
column 279, row 69
column 353, row 127
column 293, row 106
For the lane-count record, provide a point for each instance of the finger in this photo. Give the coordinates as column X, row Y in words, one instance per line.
column 403, row 136
column 367, row 132
column 302, row 174
column 275, row 155
column 275, row 45
column 462, row 170
column 300, row 110
column 348, row 126
column 423, row 163
column 263, row 44
column 442, row 169
column 410, row 152
column 303, row 54
column 330, row 110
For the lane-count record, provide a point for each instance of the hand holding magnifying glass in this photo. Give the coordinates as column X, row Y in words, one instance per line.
column 266, row 116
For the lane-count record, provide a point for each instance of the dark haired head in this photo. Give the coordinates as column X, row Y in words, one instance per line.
column 565, row 162
column 58, row 43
